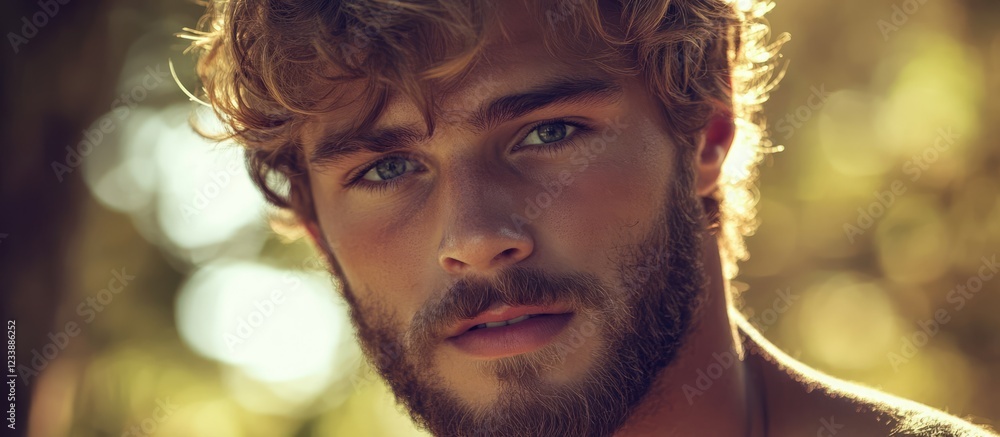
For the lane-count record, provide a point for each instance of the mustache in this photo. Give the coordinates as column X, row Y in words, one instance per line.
column 514, row 286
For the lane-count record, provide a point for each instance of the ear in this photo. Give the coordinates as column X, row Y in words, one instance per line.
column 714, row 144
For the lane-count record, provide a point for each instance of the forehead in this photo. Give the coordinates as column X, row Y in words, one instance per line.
column 514, row 60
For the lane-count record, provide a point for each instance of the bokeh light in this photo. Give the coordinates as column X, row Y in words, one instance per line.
column 883, row 198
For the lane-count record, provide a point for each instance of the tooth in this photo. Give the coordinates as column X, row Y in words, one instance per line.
column 503, row 323
column 518, row 319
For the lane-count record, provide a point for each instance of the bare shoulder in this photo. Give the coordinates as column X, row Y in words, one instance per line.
column 870, row 412
column 804, row 402
column 937, row 424
column 904, row 418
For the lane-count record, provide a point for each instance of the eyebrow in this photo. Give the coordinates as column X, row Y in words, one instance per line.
column 561, row 90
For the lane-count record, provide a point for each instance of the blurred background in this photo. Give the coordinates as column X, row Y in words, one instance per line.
column 151, row 296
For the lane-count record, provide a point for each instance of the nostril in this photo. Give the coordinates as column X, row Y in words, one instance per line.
column 509, row 253
column 453, row 264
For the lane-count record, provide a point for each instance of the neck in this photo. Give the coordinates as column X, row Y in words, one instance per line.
column 709, row 389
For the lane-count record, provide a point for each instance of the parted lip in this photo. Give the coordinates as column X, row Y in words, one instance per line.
column 501, row 313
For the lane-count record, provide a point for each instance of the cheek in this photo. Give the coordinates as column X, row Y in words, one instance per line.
column 380, row 259
column 609, row 204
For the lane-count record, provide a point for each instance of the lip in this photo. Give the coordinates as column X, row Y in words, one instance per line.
column 501, row 313
column 523, row 337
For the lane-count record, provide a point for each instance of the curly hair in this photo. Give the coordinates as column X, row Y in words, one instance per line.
column 269, row 65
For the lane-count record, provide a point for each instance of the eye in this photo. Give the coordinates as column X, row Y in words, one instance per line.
column 389, row 168
column 549, row 133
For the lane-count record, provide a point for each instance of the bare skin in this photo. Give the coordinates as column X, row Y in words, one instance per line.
column 451, row 217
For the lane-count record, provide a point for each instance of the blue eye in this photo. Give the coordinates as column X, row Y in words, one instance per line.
column 549, row 133
column 389, row 168
column 384, row 174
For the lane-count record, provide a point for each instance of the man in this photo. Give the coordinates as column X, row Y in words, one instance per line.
column 525, row 205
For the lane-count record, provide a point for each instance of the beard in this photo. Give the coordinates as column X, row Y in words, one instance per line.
column 641, row 324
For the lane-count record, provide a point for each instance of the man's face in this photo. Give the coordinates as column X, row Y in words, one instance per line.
column 549, row 197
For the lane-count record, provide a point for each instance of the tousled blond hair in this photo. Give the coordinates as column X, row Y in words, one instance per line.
column 262, row 61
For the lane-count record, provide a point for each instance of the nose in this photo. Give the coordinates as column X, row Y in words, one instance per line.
column 482, row 234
